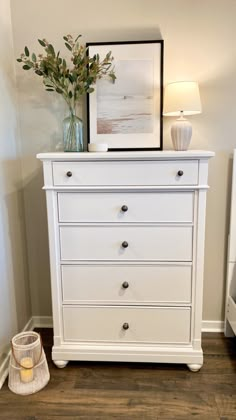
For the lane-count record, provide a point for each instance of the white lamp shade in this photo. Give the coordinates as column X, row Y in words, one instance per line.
column 182, row 96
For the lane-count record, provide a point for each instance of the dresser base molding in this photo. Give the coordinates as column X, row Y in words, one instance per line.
column 63, row 363
column 148, row 354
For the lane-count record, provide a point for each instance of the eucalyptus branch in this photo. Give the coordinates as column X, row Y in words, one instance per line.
column 70, row 81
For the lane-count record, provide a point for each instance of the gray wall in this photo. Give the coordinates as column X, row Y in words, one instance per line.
column 199, row 45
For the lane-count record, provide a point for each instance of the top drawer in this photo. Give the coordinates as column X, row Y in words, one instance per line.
column 127, row 173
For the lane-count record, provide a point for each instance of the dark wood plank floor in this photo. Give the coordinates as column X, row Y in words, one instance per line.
column 133, row 391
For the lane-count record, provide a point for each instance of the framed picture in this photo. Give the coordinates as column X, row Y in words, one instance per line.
column 127, row 114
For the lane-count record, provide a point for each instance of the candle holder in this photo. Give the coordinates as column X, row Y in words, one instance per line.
column 28, row 370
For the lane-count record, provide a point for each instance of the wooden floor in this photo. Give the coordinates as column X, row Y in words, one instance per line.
column 133, row 391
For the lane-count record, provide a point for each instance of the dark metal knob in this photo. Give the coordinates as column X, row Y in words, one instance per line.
column 125, row 326
column 125, row 285
column 180, row 173
column 69, row 174
column 125, row 244
column 124, row 208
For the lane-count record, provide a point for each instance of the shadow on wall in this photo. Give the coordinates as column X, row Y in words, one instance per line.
column 16, row 232
column 37, row 243
column 15, row 307
column 112, row 34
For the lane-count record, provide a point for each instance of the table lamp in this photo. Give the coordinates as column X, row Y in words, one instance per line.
column 181, row 99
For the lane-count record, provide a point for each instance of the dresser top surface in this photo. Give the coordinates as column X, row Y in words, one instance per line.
column 138, row 155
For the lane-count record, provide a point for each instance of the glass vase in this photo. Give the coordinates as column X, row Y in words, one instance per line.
column 73, row 134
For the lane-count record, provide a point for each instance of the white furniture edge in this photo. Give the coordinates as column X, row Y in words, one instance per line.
column 149, row 155
column 230, row 304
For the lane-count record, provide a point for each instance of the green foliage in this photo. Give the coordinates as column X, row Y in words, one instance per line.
column 69, row 81
column 26, row 52
column 42, row 43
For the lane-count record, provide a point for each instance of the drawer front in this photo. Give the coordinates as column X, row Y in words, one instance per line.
column 167, row 243
column 139, row 207
column 125, row 173
column 126, row 284
column 150, row 325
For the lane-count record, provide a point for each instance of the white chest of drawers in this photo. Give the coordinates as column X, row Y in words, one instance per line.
column 126, row 236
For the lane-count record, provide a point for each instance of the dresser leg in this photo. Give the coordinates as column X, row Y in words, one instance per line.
column 194, row 367
column 60, row 363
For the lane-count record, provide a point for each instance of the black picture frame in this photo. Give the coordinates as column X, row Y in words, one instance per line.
column 127, row 115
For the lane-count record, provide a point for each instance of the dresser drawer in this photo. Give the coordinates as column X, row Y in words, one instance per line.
column 125, row 173
column 86, row 242
column 126, row 207
column 149, row 324
column 126, row 284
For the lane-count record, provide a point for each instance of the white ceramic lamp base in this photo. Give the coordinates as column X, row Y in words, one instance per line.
column 181, row 133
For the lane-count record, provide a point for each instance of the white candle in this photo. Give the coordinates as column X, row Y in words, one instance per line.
column 26, row 375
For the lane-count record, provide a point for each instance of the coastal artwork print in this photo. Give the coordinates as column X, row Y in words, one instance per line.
column 127, row 105
column 127, row 114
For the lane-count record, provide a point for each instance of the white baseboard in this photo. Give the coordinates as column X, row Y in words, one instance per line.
column 4, row 369
column 212, row 326
column 5, row 364
column 29, row 326
column 42, row 321
column 207, row 326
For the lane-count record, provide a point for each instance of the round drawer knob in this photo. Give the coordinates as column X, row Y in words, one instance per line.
column 69, row 174
column 180, row 173
column 125, row 285
column 125, row 244
column 125, row 326
column 124, row 208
